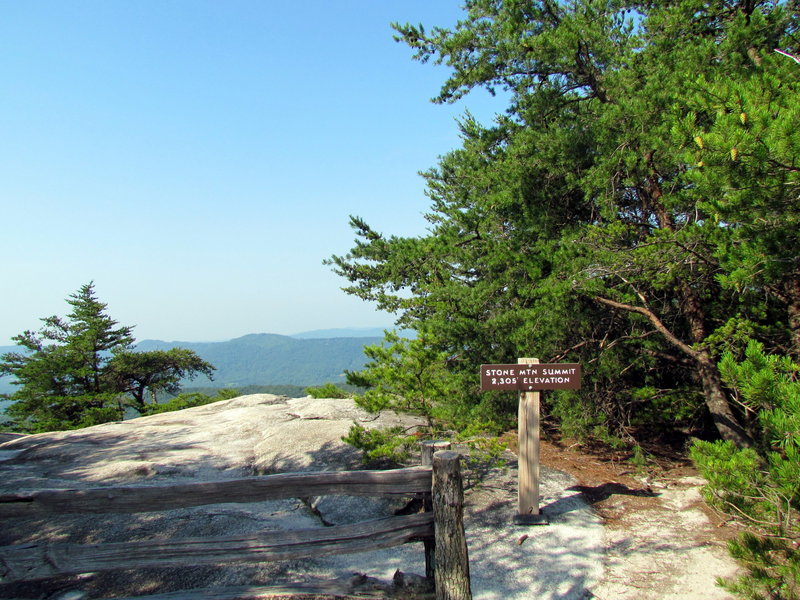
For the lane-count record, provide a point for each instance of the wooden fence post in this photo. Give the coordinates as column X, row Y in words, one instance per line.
column 452, row 560
column 427, row 448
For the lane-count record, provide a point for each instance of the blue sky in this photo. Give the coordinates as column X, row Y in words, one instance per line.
column 198, row 160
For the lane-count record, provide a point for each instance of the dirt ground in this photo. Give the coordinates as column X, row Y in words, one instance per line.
column 662, row 541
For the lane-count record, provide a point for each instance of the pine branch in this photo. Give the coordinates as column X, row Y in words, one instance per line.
column 657, row 323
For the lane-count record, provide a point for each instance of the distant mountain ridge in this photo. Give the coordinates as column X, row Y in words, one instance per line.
column 358, row 332
column 268, row 358
column 310, row 358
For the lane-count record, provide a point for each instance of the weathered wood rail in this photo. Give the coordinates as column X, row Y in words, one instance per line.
column 440, row 528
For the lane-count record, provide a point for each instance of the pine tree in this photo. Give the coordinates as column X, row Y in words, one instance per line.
column 60, row 373
column 759, row 488
column 82, row 370
column 581, row 225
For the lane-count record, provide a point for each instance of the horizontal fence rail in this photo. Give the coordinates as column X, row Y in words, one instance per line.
column 36, row 561
column 151, row 498
column 304, row 590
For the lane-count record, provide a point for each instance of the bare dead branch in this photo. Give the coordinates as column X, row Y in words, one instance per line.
column 793, row 57
column 651, row 316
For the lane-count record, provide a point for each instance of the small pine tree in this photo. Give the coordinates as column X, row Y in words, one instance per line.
column 404, row 375
column 760, row 487
column 82, row 370
column 60, row 370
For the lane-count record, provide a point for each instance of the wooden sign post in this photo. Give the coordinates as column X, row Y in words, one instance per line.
column 528, row 376
column 528, row 512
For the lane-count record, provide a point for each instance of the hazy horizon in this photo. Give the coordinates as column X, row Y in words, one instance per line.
column 307, row 334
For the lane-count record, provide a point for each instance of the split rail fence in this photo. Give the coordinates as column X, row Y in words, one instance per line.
column 440, row 527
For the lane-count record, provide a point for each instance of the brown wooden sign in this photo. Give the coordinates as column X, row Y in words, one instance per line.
column 559, row 376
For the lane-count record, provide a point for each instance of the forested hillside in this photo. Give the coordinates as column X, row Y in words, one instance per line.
column 265, row 358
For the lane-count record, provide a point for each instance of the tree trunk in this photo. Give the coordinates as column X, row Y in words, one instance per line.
column 719, row 407
column 707, row 372
column 138, row 399
column 692, row 309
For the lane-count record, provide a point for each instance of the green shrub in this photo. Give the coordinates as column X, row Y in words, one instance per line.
column 49, row 413
column 759, row 488
column 328, row 390
column 404, row 375
column 389, row 447
column 189, row 400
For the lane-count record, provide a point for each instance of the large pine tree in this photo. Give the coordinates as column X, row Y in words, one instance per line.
column 635, row 209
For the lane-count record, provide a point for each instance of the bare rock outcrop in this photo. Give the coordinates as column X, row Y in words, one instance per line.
column 248, row 435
